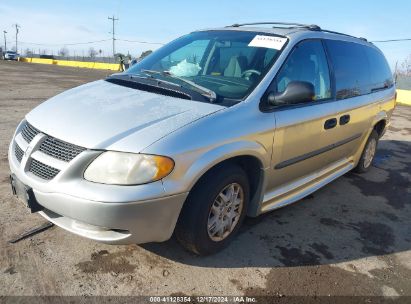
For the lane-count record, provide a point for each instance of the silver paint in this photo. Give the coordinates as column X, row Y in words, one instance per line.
column 197, row 136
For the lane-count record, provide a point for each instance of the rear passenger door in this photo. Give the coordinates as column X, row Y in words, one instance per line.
column 355, row 105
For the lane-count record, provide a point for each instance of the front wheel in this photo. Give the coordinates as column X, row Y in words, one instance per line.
column 214, row 210
column 368, row 154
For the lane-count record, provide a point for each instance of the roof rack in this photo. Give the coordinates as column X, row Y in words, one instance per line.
column 312, row 27
column 338, row 33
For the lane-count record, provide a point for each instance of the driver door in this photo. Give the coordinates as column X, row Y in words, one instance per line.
column 297, row 148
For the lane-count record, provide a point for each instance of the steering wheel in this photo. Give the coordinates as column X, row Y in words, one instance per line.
column 247, row 73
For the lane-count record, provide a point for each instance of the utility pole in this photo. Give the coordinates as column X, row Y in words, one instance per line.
column 17, row 32
column 113, row 32
column 5, row 41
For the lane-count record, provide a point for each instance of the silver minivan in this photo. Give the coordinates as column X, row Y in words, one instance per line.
column 214, row 126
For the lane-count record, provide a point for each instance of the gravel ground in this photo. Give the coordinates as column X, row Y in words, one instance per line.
column 353, row 237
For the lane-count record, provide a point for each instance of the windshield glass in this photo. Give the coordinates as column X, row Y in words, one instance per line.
column 228, row 63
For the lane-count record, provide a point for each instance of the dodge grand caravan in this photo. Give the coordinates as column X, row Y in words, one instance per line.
column 215, row 126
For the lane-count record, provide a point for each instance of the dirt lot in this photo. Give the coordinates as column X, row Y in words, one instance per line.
column 352, row 237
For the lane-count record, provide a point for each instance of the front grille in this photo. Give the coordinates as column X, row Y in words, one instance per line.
column 60, row 149
column 51, row 146
column 42, row 170
column 28, row 132
column 18, row 152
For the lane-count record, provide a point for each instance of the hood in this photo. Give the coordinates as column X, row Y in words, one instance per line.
column 102, row 115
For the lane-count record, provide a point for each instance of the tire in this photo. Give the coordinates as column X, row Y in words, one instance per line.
column 366, row 158
column 192, row 229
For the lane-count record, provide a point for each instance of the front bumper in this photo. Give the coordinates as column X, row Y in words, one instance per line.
column 107, row 213
column 113, row 223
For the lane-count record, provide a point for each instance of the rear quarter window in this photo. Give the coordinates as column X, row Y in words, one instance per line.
column 359, row 69
column 381, row 75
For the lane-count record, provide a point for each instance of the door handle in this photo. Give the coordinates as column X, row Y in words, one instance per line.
column 344, row 119
column 330, row 123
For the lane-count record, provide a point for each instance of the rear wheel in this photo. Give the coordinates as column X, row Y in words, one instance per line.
column 214, row 210
column 368, row 154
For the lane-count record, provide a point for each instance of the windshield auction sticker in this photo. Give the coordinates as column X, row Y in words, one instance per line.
column 269, row 42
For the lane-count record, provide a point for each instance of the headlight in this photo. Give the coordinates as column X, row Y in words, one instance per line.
column 127, row 168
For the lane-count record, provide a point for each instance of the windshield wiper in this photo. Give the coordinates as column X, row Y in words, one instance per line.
column 148, row 84
column 159, row 81
column 210, row 94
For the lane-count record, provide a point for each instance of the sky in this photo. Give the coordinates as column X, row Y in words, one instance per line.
column 51, row 25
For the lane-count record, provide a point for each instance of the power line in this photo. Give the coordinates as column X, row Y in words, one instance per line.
column 158, row 43
column 89, row 42
column 143, row 42
column 59, row 44
column 392, row 40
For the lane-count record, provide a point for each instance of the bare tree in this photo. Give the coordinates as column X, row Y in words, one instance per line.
column 145, row 54
column 28, row 52
column 119, row 56
column 92, row 52
column 63, row 52
column 406, row 66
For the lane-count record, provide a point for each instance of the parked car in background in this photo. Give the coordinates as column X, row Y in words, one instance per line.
column 213, row 127
column 11, row 55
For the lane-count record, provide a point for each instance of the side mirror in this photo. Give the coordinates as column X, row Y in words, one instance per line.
column 295, row 92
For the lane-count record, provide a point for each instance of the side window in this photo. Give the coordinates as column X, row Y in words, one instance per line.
column 381, row 75
column 307, row 62
column 351, row 68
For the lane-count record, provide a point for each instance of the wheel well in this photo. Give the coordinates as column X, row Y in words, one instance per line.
column 252, row 167
column 379, row 127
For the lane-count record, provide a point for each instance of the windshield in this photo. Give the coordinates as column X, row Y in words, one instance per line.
column 227, row 63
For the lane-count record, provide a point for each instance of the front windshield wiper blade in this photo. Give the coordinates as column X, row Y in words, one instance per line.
column 158, row 81
column 210, row 94
column 149, row 84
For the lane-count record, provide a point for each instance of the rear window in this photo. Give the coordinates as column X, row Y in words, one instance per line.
column 358, row 69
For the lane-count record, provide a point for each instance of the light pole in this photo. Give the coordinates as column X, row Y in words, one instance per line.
column 5, row 41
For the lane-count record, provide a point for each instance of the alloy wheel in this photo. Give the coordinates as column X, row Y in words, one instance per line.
column 225, row 212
